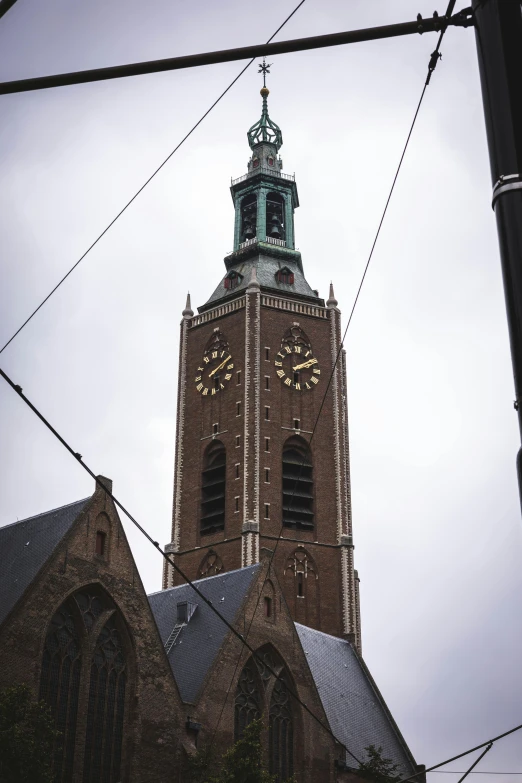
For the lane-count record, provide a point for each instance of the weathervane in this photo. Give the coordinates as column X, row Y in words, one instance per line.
column 264, row 129
column 264, row 68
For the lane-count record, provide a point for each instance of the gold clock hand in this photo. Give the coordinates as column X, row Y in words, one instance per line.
column 304, row 365
column 220, row 366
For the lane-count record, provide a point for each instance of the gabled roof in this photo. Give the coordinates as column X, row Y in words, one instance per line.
column 355, row 709
column 26, row 546
column 199, row 641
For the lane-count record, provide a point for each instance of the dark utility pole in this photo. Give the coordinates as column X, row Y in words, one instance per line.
column 498, row 30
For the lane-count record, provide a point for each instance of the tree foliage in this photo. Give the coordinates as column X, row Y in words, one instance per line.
column 242, row 763
column 377, row 768
column 27, row 736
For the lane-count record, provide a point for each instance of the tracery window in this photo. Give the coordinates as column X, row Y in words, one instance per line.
column 298, row 484
column 213, row 486
column 248, row 701
column 98, row 688
column 211, row 564
column 303, row 567
column 264, row 687
column 60, row 683
column 105, row 709
column 281, row 732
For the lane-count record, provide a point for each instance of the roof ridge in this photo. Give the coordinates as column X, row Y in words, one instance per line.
column 45, row 513
column 204, row 579
column 322, row 633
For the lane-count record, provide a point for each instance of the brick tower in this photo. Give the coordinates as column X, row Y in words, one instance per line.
column 253, row 370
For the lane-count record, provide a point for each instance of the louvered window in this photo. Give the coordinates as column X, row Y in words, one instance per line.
column 298, row 485
column 213, row 486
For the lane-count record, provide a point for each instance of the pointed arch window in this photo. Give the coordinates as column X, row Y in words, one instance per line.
column 281, row 731
column 247, row 705
column 72, row 674
column 213, row 488
column 106, row 706
column 60, row 683
column 298, row 485
column 249, row 216
column 275, row 216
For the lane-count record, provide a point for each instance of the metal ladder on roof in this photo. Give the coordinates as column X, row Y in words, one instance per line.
column 171, row 641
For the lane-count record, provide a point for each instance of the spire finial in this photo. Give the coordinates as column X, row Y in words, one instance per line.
column 264, row 68
column 331, row 301
column 265, row 130
column 188, row 311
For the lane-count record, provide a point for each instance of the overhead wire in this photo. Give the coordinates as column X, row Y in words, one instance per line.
column 142, row 188
column 18, row 389
column 434, row 58
column 433, row 61
column 461, row 755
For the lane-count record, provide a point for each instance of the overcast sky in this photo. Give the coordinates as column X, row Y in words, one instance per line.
column 433, row 431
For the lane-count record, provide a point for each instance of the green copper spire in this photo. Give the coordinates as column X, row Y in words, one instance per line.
column 264, row 129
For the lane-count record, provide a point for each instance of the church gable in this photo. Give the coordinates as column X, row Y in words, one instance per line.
column 194, row 643
column 83, row 639
column 26, row 546
column 234, row 687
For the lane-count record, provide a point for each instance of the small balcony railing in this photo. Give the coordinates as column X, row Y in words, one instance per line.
column 247, row 243
column 278, row 242
column 264, row 170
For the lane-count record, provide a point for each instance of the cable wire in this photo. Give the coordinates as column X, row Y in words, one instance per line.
column 461, row 755
column 18, row 389
column 433, row 61
column 142, row 188
column 434, row 58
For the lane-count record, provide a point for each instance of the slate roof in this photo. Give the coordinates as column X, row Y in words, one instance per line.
column 355, row 710
column 26, row 546
column 200, row 640
column 266, row 268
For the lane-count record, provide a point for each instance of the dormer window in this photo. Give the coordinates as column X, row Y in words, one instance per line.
column 285, row 275
column 233, row 279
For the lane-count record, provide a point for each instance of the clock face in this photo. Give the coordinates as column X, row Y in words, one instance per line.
column 297, row 367
column 214, row 372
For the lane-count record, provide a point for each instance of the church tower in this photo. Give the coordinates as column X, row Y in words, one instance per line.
column 255, row 364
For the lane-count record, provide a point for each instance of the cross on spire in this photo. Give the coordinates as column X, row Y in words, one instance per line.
column 264, row 68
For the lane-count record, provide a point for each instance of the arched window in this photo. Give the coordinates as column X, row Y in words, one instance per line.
column 275, row 216
column 248, row 217
column 74, row 674
column 105, row 708
column 247, row 706
column 281, row 731
column 60, row 683
column 298, row 485
column 213, row 486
